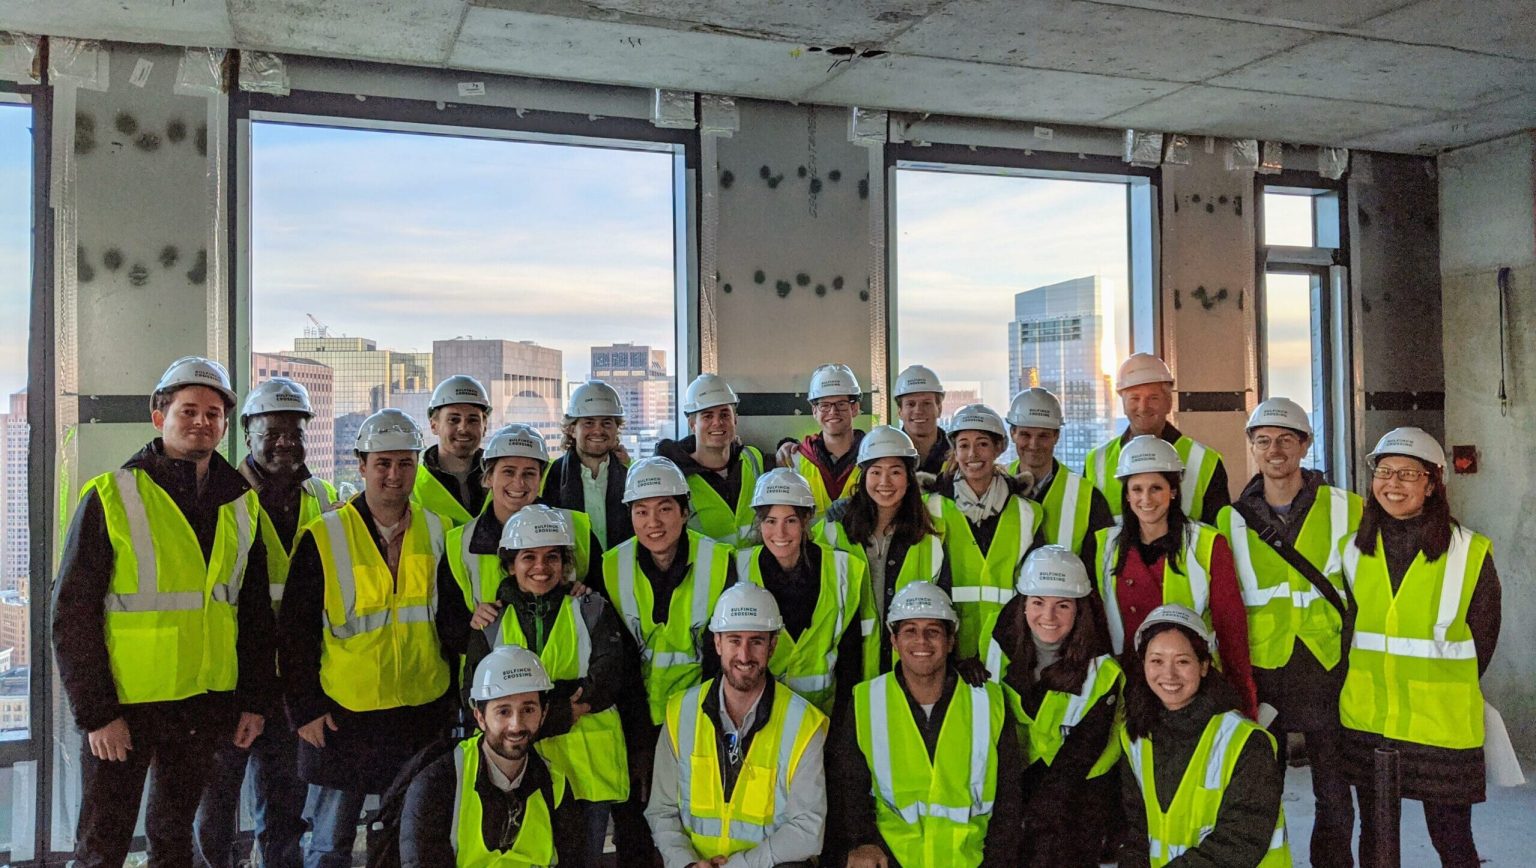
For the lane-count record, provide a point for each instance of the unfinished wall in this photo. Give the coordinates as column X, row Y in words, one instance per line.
column 1488, row 222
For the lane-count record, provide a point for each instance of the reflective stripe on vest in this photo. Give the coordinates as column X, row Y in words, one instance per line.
column 315, row 499
column 148, row 597
column 719, row 520
column 983, row 582
column 1191, row 588
column 1059, row 713
column 428, row 492
column 823, row 497
column 535, row 841
column 1200, row 463
column 1067, row 506
column 807, row 665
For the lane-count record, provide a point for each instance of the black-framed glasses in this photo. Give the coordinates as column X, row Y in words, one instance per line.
column 1403, row 474
column 828, row 405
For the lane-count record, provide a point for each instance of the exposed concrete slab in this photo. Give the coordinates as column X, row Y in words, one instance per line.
column 815, row 22
column 1320, row 13
column 190, row 22
column 1506, row 27
column 1469, row 126
column 1250, row 114
column 418, row 32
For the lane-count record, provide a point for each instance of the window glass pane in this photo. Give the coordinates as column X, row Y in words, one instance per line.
column 15, row 317
column 1291, row 356
column 384, row 262
column 1288, row 220
column 1007, row 283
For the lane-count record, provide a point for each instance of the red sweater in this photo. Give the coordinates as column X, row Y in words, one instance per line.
column 1140, row 590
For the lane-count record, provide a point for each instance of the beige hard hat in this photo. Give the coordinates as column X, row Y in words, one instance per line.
column 1142, row 368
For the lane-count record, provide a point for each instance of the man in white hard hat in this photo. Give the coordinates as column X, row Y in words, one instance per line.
column 274, row 418
column 589, row 477
column 365, row 635
column 1074, row 509
column 1285, row 530
column 919, row 400
column 162, row 622
column 450, row 486
column 1145, row 386
column 738, row 778
column 721, row 470
column 928, row 767
column 494, row 799
column 827, row 459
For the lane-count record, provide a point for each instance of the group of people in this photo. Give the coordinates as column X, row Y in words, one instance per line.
column 994, row 664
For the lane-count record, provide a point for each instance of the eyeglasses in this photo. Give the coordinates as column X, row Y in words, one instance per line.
column 828, row 405
column 1284, row 441
column 1403, row 474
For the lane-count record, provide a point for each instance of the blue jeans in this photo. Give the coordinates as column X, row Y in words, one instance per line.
column 333, row 816
column 272, row 767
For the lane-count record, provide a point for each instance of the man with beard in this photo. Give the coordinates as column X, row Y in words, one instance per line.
column 721, row 471
column 714, row 798
column 451, row 485
column 493, row 799
column 584, row 479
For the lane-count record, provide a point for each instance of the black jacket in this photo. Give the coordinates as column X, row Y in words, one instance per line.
column 471, row 489
column 85, row 574
column 486, row 540
column 680, row 452
column 282, row 503
column 563, row 489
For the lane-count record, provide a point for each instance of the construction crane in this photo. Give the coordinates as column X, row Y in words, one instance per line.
column 318, row 330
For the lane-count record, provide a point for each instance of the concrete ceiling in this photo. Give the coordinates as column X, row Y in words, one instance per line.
column 1395, row 75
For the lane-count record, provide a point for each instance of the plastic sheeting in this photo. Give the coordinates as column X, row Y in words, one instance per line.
column 1143, row 148
column 673, row 109
column 200, row 72
column 867, row 128
column 1177, row 152
column 1243, row 155
column 263, row 72
column 1271, row 158
column 1332, row 163
column 18, row 58
column 718, row 115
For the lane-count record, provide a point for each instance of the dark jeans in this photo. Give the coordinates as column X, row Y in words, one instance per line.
column 175, row 753
column 1450, row 830
column 272, row 763
column 1333, row 823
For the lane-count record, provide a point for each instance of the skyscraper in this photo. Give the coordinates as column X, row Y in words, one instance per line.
column 639, row 375
column 525, row 380
column 1054, row 342
column 319, row 380
column 15, row 525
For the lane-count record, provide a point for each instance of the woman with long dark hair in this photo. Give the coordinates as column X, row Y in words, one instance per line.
column 1199, row 781
column 1159, row 555
column 1063, row 688
column 1427, row 613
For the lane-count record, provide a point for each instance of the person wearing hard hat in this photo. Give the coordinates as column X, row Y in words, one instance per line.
column 887, row 524
column 365, row 635
column 820, row 590
column 274, row 418
column 162, row 622
column 1159, row 555
column 580, row 641
column 589, row 477
column 919, row 400
column 738, row 777
column 927, row 765
column 1427, row 615
column 1188, row 748
column 1074, row 509
column 827, row 459
column 496, row 798
column 721, row 470
column 450, row 486
column 664, row 582
column 1063, row 688
column 989, row 525
column 1285, row 530
column 1145, row 386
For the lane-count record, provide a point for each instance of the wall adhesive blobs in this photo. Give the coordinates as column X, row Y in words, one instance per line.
column 112, row 259
column 758, row 276
column 147, row 142
column 176, row 131
column 837, row 282
column 199, row 272
column 835, row 175
column 138, row 275
column 727, row 178
column 802, row 279
column 783, row 288
column 84, row 271
column 202, row 139
column 126, row 123
column 168, row 255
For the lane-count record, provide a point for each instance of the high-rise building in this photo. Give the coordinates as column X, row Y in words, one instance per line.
column 639, row 375
column 957, row 395
column 524, row 379
column 15, row 526
column 1054, row 342
column 14, row 626
column 319, row 380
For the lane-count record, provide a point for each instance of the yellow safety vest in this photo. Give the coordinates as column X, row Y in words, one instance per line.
column 923, row 562
column 715, row 518
column 593, row 751
column 170, row 619
column 1283, row 605
column 807, row 665
column 983, row 584
column 670, row 657
column 1043, row 735
column 1196, row 806
column 1413, row 662
column 534, row 846
column 381, row 648
column 931, row 812
column 1068, row 503
column 430, row 493
column 718, row 826
column 812, row 473
column 1200, row 463
column 1188, row 585
column 315, row 497
column 471, row 570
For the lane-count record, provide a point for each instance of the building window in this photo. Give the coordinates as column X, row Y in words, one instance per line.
column 15, row 520
column 385, row 261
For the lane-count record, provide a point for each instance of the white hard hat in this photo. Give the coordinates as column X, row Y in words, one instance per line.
column 508, row 671
column 1413, row 442
column 708, row 390
column 782, row 486
column 748, row 608
column 460, row 389
column 1035, row 408
column 389, row 430
column 1280, row 413
column 198, row 371
column 535, row 526
column 277, row 395
column 516, row 441
column 1173, row 613
column 885, row 441
column 833, row 379
column 916, row 378
column 654, row 477
column 921, row 600
column 1148, row 454
column 594, row 398
column 1053, row 571
column 977, row 417
column 1142, row 368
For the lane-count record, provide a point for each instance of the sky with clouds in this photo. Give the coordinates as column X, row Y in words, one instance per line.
column 15, row 246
